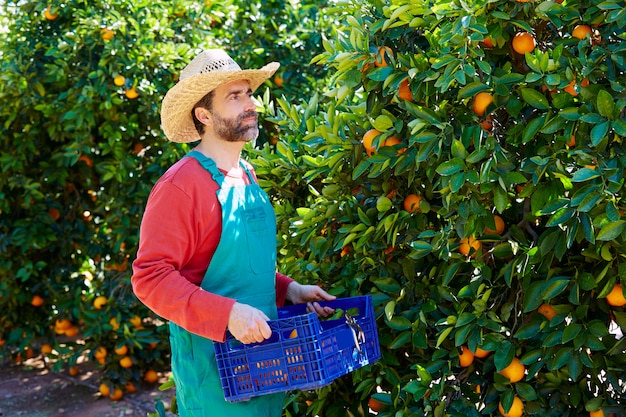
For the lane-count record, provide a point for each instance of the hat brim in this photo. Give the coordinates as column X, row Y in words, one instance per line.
column 176, row 119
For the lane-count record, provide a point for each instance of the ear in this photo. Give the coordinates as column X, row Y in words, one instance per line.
column 203, row 115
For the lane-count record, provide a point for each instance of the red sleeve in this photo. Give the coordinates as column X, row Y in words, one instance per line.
column 170, row 266
column 282, row 282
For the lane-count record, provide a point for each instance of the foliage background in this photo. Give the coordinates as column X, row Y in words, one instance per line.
column 73, row 141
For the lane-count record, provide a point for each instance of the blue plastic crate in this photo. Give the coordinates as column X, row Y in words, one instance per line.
column 304, row 352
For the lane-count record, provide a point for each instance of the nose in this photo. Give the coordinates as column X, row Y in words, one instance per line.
column 249, row 104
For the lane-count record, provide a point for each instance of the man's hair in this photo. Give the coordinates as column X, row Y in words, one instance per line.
column 205, row 102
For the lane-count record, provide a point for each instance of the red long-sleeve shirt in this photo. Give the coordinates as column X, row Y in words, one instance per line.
column 179, row 234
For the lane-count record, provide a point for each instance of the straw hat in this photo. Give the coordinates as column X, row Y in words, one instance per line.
column 206, row 72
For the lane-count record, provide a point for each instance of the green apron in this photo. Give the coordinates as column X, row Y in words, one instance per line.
column 244, row 268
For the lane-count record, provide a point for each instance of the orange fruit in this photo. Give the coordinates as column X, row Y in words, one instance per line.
column 404, row 91
column 104, row 389
column 135, row 321
column 131, row 93
column 49, row 15
column 99, row 302
column 571, row 88
column 481, row 353
column 122, row 350
column 499, row 223
column 487, row 42
column 126, row 362
column 516, row 410
column 129, row 387
column 106, row 34
column 581, row 31
column 46, row 348
column 100, row 353
column 466, row 358
column 374, row 404
column 572, row 141
column 151, row 376
column 278, row 80
column 487, row 124
column 54, row 213
column 368, row 141
column 412, row 203
column 380, row 56
column 87, row 160
column 119, row 81
column 293, row 334
column 73, row 371
column 72, row 331
column 117, row 394
column 480, row 103
column 616, row 296
column 523, row 42
column 61, row 325
column 113, row 322
column 392, row 141
column 37, row 300
column 547, row 311
column 470, row 246
column 515, row 371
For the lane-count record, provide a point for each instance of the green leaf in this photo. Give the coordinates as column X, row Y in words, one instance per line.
column 571, row 332
column 611, row 230
column 585, row 174
column 383, row 123
column 470, row 90
column 450, row 167
column 500, row 199
column 599, row 132
column 561, row 216
column 532, row 128
column 380, row 73
column 606, row 106
column 554, row 287
column 535, row 98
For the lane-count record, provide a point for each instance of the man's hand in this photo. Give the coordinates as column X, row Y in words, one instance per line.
column 248, row 324
column 310, row 294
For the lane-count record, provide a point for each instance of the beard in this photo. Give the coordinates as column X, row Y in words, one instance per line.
column 235, row 129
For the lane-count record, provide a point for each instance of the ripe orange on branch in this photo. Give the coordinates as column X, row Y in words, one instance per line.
column 412, row 203
column 516, row 410
column 616, row 297
column 404, row 91
column 37, row 300
column 368, row 141
column 466, row 358
column 470, row 246
column 581, row 31
column 523, row 42
column 381, row 57
column 515, row 371
column 480, row 103
column 499, row 226
column 547, row 311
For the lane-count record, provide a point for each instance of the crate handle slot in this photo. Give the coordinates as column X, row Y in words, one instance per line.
column 357, row 332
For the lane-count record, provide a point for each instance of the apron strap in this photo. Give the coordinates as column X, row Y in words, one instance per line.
column 248, row 173
column 208, row 164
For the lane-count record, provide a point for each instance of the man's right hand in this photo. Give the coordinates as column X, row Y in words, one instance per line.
column 248, row 324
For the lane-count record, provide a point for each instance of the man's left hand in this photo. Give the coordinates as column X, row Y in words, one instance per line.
column 310, row 294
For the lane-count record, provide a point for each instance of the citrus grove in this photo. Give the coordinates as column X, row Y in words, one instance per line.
column 462, row 162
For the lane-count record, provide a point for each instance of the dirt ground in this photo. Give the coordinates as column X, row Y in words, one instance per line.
column 32, row 390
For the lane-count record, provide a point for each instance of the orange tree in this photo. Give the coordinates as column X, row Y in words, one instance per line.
column 80, row 93
column 509, row 124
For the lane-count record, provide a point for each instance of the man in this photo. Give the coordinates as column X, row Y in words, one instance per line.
column 207, row 249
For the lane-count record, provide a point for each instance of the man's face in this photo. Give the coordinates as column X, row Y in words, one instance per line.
column 234, row 113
